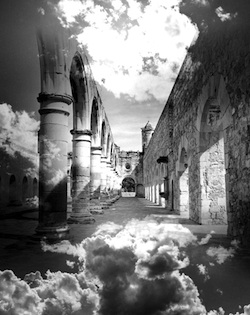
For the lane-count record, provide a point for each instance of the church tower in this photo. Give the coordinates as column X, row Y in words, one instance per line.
column 146, row 132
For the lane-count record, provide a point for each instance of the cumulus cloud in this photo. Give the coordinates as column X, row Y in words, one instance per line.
column 223, row 15
column 58, row 293
column 135, row 269
column 205, row 239
column 41, row 11
column 65, row 247
column 203, row 271
column 18, row 133
column 220, row 253
column 136, row 49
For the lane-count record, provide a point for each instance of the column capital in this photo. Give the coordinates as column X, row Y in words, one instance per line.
column 96, row 151
column 84, row 132
column 96, row 148
column 44, row 97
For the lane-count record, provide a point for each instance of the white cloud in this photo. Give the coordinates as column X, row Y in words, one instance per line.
column 18, row 134
column 223, row 15
column 41, row 11
column 220, row 253
column 203, row 271
column 205, row 239
column 65, row 247
column 204, row 3
column 120, row 36
column 18, row 127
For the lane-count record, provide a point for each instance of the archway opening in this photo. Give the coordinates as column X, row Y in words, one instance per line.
column 128, row 187
column 78, row 84
column 13, row 200
column 103, row 139
column 183, row 185
column 35, row 188
column 24, row 189
column 212, row 166
column 94, row 121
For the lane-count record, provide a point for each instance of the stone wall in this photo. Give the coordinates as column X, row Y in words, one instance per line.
column 211, row 121
column 18, row 175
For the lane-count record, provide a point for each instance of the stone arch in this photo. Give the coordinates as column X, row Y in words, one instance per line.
column 112, row 154
column 13, row 190
column 213, row 121
column 25, row 187
column 79, row 88
column 35, row 187
column 128, row 186
column 108, row 149
column 103, row 138
column 94, row 122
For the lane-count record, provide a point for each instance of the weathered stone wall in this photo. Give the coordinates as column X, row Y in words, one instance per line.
column 216, row 68
column 22, row 165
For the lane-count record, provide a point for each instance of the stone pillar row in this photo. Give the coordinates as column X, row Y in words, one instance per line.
column 93, row 179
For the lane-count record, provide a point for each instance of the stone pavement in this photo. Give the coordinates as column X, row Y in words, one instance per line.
column 22, row 254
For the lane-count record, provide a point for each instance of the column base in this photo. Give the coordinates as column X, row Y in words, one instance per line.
column 52, row 232
column 80, row 218
column 95, row 206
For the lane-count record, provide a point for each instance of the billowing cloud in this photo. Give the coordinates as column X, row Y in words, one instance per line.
column 205, row 239
column 136, row 49
column 41, row 11
column 224, row 16
column 135, row 269
column 59, row 293
column 220, row 253
column 18, row 133
column 65, row 247
column 203, row 271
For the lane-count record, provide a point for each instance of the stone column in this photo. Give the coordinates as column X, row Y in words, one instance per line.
column 69, row 177
column 81, row 177
column 53, row 147
column 108, row 178
column 113, row 181
column 95, row 172
column 103, row 177
column 95, row 181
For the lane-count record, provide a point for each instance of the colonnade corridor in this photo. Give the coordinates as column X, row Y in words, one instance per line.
column 133, row 248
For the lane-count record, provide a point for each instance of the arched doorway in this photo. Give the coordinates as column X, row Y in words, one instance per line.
column 35, row 188
column 128, row 187
column 94, row 122
column 13, row 200
column 212, row 165
column 183, row 185
column 24, row 188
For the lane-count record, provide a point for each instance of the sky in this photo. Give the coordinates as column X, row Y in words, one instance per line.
column 135, row 48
